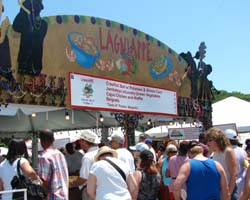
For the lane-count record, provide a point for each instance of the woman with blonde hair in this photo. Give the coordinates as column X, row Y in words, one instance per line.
column 225, row 155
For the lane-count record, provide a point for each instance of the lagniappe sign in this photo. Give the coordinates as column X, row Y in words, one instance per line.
column 98, row 47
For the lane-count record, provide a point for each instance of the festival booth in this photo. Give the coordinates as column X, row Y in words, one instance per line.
column 89, row 68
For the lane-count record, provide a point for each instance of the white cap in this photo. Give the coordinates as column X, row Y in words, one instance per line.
column 139, row 147
column 231, row 134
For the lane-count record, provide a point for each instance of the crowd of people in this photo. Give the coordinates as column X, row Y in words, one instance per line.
column 212, row 168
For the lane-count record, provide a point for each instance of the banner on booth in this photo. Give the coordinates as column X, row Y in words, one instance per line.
column 92, row 92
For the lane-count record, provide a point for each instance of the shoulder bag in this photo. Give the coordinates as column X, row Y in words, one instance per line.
column 34, row 191
column 117, row 168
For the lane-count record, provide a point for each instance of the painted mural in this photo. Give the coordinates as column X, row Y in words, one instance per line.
column 45, row 49
column 37, row 53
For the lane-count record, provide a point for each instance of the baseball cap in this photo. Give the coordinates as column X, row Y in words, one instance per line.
column 139, row 147
column 148, row 141
column 118, row 137
column 231, row 134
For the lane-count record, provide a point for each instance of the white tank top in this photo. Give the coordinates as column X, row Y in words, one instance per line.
column 221, row 158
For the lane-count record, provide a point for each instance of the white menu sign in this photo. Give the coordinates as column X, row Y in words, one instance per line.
column 188, row 133
column 105, row 94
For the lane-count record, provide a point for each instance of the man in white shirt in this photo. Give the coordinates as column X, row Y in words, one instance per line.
column 240, row 155
column 116, row 142
column 89, row 143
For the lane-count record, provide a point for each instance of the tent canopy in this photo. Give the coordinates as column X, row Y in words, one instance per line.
column 118, row 130
column 16, row 118
column 158, row 131
column 232, row 110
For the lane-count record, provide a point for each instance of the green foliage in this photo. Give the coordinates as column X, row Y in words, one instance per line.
column 224, row 94
column 4, row 142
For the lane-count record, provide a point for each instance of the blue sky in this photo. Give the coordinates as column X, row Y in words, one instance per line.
column 182, row 25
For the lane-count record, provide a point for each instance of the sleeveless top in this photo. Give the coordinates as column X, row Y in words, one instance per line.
column 166, row 180
column 149, row 186
column 203, row 182
column 221, row 158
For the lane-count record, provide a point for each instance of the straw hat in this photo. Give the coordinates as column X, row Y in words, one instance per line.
column 90, row 136
column 103, row 150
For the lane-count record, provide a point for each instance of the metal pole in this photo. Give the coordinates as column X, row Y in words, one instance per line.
column 34, row 146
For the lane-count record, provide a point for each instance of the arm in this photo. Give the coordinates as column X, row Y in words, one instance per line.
column 167, row 172
column 223, row 182
column 29, row 171
column 132, row 186
column 79, row 181
column 181, row 179
column 159, row 164
column 137, row 178
column 232, row 168
column 245, row 194
column 91, row 186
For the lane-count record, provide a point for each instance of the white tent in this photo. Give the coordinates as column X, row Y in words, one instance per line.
column 16, row 121
column 232, row 110
column 158, row 131
column 16, row 118
column 3, row 151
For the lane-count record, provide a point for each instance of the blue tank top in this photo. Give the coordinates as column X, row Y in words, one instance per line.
column 166, row 180
column 203, row 182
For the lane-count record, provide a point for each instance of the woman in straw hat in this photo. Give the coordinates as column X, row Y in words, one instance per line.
column 109, row 178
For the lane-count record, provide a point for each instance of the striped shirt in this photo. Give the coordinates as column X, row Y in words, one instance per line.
column 52, row 168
